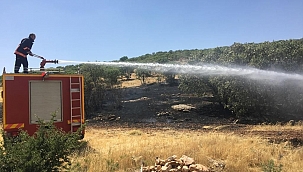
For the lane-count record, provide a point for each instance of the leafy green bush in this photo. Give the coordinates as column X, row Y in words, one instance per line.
column 47, row 150
column 271, row 167
column 97, row 80
column 111, row 165
column 251, row 98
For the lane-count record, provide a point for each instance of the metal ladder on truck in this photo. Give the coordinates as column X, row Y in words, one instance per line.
column 76, row 103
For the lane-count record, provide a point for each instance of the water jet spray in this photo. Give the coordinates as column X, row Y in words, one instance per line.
column 272, row 77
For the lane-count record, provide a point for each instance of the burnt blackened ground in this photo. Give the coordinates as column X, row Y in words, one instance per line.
column 150, row 106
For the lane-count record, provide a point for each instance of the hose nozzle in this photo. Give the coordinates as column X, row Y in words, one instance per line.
column 44, row 61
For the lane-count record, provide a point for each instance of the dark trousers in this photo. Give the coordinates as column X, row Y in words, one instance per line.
column 21, row 60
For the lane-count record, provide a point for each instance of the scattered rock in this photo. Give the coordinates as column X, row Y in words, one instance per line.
column 163, row 114
column 187, row 160
column 113, row 118
column 207, row 127
column 183, row 107
column 217, row 165
column 173, row 164
column 291, row 123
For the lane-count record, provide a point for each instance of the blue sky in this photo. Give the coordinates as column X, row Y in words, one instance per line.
column 106, row 30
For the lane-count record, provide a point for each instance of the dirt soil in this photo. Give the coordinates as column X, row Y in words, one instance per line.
column 161, row 106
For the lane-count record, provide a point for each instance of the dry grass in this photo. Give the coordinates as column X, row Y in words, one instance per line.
column 123, row 149
column 137, row 82
column 279, row 127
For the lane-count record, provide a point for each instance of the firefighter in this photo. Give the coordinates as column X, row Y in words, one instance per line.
column 22, row 51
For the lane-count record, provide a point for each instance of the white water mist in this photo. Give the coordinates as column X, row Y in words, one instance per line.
column 203, row 70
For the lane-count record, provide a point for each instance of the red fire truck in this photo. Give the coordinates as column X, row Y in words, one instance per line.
column 28, row 98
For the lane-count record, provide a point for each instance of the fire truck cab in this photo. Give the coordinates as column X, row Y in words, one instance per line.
column 28, row 98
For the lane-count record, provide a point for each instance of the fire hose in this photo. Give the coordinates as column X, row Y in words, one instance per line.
column 40, row 57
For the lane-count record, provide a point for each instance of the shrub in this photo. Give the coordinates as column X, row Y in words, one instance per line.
column 47, row 150
column 271, row 167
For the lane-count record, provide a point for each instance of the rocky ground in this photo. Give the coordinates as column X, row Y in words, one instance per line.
column 161, row 106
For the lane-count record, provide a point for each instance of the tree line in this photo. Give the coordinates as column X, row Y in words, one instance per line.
column 243, row 97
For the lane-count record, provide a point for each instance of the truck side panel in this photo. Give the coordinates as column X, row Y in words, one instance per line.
column 17, row 98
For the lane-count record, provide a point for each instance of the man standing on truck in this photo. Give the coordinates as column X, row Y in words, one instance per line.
column 22, row 51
